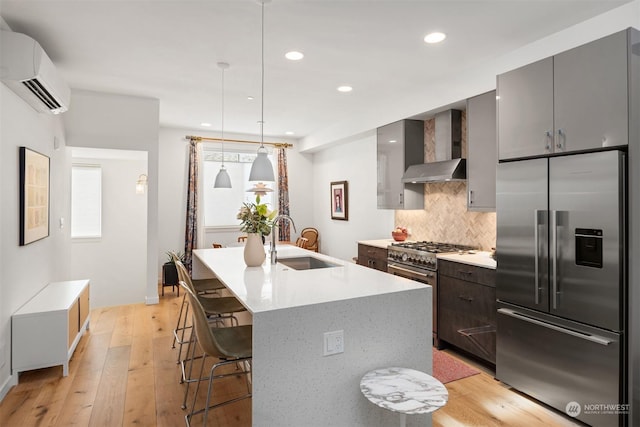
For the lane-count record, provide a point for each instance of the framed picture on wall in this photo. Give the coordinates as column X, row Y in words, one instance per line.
column 34, row 196
column 339, row 200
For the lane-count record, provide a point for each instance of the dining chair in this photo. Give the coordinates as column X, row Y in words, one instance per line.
column 242, row 239
column 217, row 245
column 302, row 242
column 230, row 345
column 310, row 234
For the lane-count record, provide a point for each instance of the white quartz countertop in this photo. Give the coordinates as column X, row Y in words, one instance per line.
column 479, row 259
column 275, row 287
column 380, row 243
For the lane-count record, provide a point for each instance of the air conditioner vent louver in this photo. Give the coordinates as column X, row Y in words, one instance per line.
column 43, row 94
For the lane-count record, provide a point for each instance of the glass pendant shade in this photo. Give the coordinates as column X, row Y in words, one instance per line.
column 222, row 179
column 262, row 169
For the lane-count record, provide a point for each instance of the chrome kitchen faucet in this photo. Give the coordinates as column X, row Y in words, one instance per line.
column 273, row 253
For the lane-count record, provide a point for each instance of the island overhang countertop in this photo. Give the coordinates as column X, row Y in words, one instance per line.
column 278, row 286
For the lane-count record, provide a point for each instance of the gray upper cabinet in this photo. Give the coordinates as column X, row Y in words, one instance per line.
column 525, row 110
column 481, row 152
column 576, row 100
column 591, row 92
column 400, row 145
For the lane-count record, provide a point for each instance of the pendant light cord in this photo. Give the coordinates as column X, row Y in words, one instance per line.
column 262, row 84
column 222, row 116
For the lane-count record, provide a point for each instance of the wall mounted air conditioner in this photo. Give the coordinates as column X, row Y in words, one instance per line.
column 27, row 70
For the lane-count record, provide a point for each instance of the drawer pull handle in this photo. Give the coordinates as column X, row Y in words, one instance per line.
column 468, row 299
column 585, row 336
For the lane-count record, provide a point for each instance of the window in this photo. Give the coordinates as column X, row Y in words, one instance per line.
column 221, row 205
column 86, row 201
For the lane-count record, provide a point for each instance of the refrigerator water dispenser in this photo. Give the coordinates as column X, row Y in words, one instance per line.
column 588, row 247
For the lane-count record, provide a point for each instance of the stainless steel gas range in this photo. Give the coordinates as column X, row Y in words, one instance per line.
column 418, row 261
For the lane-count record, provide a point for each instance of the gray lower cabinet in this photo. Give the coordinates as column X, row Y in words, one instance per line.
column 399, row 145
column 542, row 106
column 467, row 308
column 373, row 257
column 482, row 155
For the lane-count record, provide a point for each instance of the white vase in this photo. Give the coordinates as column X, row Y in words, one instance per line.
column 254, row 250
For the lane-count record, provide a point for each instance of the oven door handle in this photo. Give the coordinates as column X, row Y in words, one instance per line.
column 406, row 270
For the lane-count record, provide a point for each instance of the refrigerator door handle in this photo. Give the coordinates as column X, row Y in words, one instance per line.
column 536, row 258
column 554, row 259
column 593, row 338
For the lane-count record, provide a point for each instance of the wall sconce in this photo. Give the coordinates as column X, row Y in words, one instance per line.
column 141, row 184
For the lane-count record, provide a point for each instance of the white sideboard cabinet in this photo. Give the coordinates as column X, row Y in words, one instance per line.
column 46, row 329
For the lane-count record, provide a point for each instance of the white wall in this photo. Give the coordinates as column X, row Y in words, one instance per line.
column 101, row 120
column 173, row 186
column 115, row 263
column 354, row 162
column 25, row 270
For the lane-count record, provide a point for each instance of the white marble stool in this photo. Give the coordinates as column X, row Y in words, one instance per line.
column 403, row 390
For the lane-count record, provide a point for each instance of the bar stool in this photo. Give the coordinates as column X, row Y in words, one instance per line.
column 201, row 286
column 405, row 391
column 231, row 345
column 217, row 310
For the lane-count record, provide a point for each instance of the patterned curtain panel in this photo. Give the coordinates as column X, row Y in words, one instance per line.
column 284, row 233
column 191, row 232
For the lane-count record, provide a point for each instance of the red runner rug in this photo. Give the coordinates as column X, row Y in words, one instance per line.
column 447, row 369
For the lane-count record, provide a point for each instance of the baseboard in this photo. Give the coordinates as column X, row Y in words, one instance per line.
column 10, row 382
column 152, row 300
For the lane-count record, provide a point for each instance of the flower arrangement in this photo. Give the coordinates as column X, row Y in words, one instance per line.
column 256, row 218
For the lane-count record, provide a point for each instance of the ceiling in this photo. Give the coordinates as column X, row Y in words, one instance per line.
column 169, row 50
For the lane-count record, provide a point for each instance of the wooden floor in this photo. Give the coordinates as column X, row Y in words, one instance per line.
column 124, row 373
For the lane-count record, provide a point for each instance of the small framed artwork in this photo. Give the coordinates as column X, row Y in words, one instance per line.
column 34, row 196
column 339, row 200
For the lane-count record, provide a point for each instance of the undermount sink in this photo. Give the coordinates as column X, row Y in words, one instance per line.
column 306, row 263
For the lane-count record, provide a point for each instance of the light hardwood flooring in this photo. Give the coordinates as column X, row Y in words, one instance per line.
column 124, row 373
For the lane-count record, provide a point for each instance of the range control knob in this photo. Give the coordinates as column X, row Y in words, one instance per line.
column 405, row 257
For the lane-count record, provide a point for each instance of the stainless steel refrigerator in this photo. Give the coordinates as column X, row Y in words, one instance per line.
column 561, row 281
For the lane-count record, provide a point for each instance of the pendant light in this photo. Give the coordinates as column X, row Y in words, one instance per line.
column 222, row 179
column 262, row 169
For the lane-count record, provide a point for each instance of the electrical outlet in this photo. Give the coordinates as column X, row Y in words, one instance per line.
column 333, row 342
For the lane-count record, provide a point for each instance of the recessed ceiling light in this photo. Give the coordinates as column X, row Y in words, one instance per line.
column 345, row 89
column 207, row 125
column 294, row 56
column 289, row 132
column 435, row 37
column 250, row 98
column 392, row 141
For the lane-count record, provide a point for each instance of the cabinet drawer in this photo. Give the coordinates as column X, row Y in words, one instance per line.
column 470, row 273
column 367, row 251
column 376, row 263
column 467, row 316
column 373, row 257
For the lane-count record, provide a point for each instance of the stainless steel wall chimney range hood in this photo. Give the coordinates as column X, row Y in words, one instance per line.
column 449, row 166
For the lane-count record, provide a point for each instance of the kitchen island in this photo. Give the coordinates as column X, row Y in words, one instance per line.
column 385, row 319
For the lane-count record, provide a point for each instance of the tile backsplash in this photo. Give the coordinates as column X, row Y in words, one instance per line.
column 445, row 217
